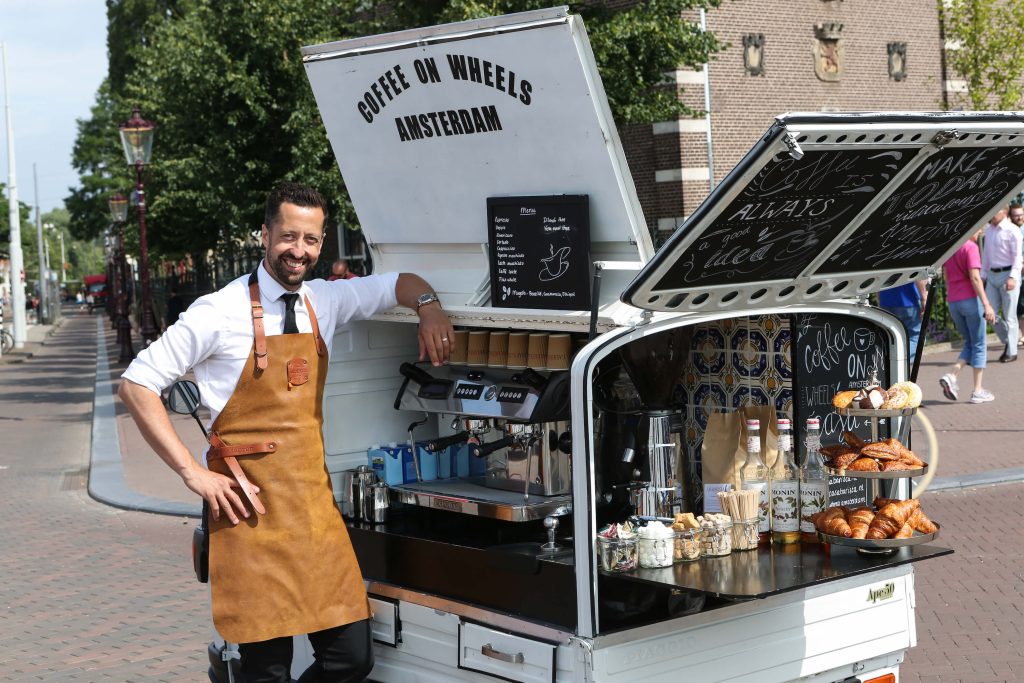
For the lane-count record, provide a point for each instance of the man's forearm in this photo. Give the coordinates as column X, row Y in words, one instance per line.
column 151, row 417
column 409, row 287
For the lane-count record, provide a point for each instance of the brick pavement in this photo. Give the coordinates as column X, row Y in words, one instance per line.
column 88, row 592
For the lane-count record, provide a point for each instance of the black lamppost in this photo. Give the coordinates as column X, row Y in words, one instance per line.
column 119, row 214
column 137, row 138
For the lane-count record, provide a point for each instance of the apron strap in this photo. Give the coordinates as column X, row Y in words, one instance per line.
column 234, row 451
column 236, row 470
column 321, row 347
column 260, row 347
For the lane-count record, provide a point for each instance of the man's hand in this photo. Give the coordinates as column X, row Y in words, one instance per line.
column 217, row 491
column 435, row 334
column 990, row 314
column 1011, row 284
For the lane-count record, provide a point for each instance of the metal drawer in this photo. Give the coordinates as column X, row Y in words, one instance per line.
column 504, row 655
column 384, row 622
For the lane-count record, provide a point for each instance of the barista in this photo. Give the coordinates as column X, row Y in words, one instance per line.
column 281, row 563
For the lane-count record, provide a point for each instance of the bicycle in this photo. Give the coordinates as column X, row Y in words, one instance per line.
column 6, row 341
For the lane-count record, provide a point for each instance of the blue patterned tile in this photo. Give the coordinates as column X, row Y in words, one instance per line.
column 749, row 355
column 707, row 399
column 784, row 402
column 747, row 395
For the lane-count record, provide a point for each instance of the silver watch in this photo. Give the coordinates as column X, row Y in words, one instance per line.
column 424, row 299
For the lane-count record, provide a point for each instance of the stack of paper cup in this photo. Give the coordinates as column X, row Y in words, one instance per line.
column 476, row 354
column 497, row 350
column 537, row 351
column 518, row 346
column 559, row 350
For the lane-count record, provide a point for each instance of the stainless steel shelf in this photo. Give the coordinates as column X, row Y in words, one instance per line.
column 470, row 497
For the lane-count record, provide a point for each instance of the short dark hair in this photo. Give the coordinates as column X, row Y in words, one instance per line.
column 293, row 193
column 1015, row 206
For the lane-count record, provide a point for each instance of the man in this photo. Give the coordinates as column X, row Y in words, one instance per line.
column 906, row 302
column 1017, row 218
column 340, row 271
column 1000, row 268
column 259, row 348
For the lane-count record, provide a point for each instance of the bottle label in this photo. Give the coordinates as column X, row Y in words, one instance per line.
column 785, row 442
column 763, row 518
column 784, row 505
column 812, row 500
column 753, row 443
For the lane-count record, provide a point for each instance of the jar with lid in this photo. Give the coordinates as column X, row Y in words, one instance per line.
column 745, row 534
column 616, row 554
column 656, row 545
column 687, row 545
column 716, row 535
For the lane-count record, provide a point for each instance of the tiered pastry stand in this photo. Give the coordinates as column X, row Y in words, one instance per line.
column 886, row 545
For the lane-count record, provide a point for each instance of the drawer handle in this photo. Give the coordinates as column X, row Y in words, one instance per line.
column 488, row 651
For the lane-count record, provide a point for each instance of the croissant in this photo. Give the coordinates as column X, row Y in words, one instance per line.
column 859, row 521
column 921, row 523
column 880, row 451
column 881, row 502
column 906, row 531
column 863, row 465
column 853, row 440
column 891, row 518
column 833, row 522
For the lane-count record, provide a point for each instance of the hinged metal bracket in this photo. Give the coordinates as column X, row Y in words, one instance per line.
column 789, row 139
column 944, row 137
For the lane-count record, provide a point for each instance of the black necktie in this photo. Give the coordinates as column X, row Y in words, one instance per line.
column 289, row 314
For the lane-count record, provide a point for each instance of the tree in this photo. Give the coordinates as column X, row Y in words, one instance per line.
column 986, row 35
column 5, row 219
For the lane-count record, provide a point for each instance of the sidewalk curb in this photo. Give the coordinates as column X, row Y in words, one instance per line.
column 1009, row 475
column 106, row 471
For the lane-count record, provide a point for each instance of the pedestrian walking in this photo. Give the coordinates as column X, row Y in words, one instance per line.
column 260, row 349
column 970, row 309
column 1000, row 269
column 907, row 302
column 340, row 271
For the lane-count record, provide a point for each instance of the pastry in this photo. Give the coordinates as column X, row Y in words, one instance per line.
column 879, row 450
column 843, row 399
column 835, row 450
column 833, row 522
column 921, row 523
column 906, row 531
column 870, row 398
column 843, row 460
column 896, row 399
column 897, row 465
column 891, row 518
column 853, row 441
column 863, row 465
column 859, row 521
column 914, row 394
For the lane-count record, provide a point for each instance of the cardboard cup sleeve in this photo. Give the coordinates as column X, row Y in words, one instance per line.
column 497, row 350
column 476, row 354
column 537, row 351
column 559, row 350
column 460, row 347
column 518, row 346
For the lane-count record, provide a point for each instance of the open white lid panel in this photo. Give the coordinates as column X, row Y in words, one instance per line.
column 427, row 124
column 835, row 205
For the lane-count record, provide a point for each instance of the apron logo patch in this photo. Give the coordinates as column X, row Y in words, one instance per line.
column 298, row 372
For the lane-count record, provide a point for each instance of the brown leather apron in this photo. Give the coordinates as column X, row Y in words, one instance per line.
column 291, row 570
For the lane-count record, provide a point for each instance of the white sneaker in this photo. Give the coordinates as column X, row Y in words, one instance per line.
column 949, row 386
column 983, row 396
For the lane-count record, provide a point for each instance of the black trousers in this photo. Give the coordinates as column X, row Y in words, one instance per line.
column 343, row 654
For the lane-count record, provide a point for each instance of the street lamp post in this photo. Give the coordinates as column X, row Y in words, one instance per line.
column 119, row 213
column 137, row 139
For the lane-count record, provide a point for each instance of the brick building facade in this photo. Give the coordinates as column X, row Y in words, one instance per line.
column 669, row 160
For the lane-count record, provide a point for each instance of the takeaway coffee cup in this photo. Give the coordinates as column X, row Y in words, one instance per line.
column 537, row 351
column 518, row 345
column 460, row 347
column 476, row 354
column 559, row 348
column 497, row 350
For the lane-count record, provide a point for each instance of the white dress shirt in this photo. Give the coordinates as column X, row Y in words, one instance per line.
column 1001, row 248
column 214, row 337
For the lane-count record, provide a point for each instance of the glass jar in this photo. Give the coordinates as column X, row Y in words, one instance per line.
column 745, row 534
column 687, row 545
column 655, row 552
column 616, row 555
column 716, row 539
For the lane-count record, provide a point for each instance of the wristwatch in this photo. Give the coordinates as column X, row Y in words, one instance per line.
column 424, row 299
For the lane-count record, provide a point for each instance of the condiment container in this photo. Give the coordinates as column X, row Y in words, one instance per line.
column 655, row 545
column 616, row 555
column 687, row 545
column 745, row 534
column 716, row 537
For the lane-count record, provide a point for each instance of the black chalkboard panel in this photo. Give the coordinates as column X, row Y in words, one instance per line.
column 540, row 252
column 833, row 353
column 784, row 217
column 952, row 193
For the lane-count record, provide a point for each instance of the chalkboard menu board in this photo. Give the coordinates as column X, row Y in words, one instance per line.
column 833, row 353
column 784, row 217
column 540, row 252
column 950, row 194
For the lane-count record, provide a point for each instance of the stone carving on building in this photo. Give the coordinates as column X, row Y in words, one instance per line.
column 753, row 54
column 897, row 61
column 828, row 51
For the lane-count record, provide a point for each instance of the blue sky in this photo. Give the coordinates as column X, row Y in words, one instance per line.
column 56, row 59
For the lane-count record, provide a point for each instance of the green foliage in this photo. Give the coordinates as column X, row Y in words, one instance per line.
column 225, row 84
column 5, row 219
column 989, row 34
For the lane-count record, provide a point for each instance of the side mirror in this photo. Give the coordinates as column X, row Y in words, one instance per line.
column 183, row 397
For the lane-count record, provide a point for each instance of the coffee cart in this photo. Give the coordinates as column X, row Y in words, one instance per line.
column 475, row 153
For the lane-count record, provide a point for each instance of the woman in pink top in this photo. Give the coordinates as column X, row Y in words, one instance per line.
column 969, row 308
